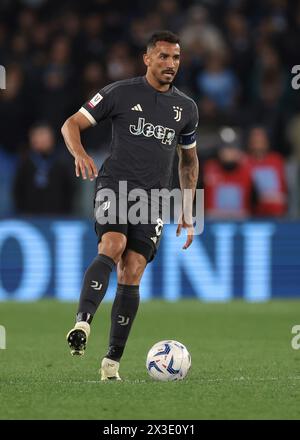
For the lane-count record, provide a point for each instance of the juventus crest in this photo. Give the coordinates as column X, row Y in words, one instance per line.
column 105, row 205
column 177, row 111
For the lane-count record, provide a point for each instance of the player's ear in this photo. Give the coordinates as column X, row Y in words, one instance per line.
column 146, row 59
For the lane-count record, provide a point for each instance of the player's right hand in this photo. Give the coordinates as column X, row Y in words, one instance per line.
column 85, row 165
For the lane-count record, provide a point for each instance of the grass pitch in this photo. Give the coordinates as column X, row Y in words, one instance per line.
column 243, row 365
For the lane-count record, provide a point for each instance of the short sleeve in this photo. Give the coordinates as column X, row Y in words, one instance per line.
column 101, row 106
column 187, row 137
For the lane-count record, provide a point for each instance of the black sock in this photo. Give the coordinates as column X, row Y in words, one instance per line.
column 94, row 287
column 123, row 312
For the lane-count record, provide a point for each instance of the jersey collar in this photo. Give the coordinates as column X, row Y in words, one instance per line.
column 168, row 92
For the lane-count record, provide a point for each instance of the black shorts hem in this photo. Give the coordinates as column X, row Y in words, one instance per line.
column 102, row 229
column 141, row 247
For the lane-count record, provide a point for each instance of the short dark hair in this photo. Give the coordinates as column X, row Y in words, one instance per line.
column 41, row 124
column 167, row 36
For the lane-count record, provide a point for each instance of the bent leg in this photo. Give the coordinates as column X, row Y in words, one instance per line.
column 94, row 287
column 96, row 277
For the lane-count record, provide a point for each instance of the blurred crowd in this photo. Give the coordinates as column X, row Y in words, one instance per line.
column 237, row 57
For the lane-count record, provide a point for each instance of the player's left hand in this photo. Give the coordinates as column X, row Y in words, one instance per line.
column 190, row 232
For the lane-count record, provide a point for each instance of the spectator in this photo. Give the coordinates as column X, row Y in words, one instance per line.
column 59, row 94
column 227, row 184
column 8, row 165
column 120, row 65
column 93, row 80
column 269, row 94
column 199, row 31
column 13, row 111
column 293, row 167
column 218, row 83
column 267, row 171
column 241, row 50
column 43, row 183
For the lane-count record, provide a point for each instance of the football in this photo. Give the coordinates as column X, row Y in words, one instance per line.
column 168, row 360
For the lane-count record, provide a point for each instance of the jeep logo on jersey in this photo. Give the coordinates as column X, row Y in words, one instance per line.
column 159, row 132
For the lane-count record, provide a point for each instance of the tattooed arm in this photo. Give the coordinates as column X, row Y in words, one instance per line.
column 188, row 170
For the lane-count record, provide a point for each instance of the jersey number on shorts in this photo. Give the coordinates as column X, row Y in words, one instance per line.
column 159, row 226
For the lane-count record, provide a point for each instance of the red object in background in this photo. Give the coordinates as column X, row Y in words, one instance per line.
column 268, row 176
column 227, row 192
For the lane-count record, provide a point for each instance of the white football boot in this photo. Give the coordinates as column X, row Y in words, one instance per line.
column 109, row 370
column 77, row 338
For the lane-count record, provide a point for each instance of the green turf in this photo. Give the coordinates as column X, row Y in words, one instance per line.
column 243, row 366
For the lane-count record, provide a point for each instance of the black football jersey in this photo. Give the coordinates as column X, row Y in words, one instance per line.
column 147, row 126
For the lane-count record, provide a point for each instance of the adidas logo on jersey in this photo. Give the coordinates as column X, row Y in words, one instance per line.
column 165, row 134
column 137, row 107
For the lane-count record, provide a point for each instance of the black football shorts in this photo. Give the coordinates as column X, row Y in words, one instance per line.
column 133, row 218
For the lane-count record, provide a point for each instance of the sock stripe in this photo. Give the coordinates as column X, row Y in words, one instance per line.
column 127, row 289
column 106, row 260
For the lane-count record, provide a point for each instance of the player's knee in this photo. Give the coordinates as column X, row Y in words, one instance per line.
column 113, row 246
column 131, row 272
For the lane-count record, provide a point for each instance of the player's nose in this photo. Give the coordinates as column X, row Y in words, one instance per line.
column 171, row 64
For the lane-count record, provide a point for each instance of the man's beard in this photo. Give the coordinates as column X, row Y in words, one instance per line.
column 164, row 82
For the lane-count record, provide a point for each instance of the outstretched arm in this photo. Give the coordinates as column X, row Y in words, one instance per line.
column 71, row 133
column 188, row 170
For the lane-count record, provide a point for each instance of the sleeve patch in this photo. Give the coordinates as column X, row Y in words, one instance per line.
column 95, row 100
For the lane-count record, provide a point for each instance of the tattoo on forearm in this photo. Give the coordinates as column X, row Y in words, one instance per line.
column 188, row 173
column 188, row 177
